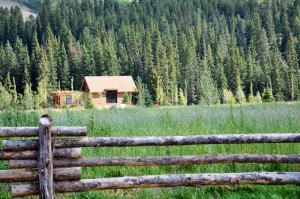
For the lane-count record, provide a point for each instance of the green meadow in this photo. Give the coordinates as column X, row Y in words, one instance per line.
column 172, row 121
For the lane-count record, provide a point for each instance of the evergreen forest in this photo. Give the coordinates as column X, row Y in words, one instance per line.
column 179, row 52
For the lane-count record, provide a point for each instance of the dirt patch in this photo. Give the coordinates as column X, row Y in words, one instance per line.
column 25, row 10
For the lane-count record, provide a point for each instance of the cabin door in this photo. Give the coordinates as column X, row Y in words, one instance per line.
column 111, row 97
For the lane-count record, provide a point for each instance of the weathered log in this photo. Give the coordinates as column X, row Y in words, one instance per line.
column 260, row 178
column 18, row 131
column 33, row 131
column 68, row 131
column 157, row 141
column 164, row 160
column 69, row 153
column 45, row 159
column 26, row 175
column 67, row 174
column 18, row 155
column 19, row 164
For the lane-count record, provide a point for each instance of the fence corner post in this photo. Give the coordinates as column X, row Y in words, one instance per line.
column 45, row 158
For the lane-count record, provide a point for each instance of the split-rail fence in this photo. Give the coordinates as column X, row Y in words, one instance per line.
column 50, row 164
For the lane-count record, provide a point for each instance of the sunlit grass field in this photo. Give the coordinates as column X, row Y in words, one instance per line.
column 192, row 120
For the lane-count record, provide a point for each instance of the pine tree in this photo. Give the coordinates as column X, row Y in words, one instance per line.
column 98, row 57
column 88, row 63
column 267, row 95
column 182, row 98
column 285, row 29
column 165, row 78
column 5, row 98
column 173, row 88
column 132, row 47
column 276, row 75
column 269, row 24
column 111, row 63
column 228, row 97
column 41, row 95
column 141, row 94
column 63, row 68
column 74, row 56
column 22, row 70
column 233, row 69
column 126, row 98
column 293, row 67
column 36, row 58
column 125, row 69
column 207, row 92
column 89, row 102
column 7, row 83
column 27, row 101
column 251, row 97
column 52, row 52
column 43, row 70
column 14, row 94
column 10, row 62
column 258, row 97
column 147, row 58
column 160, row 95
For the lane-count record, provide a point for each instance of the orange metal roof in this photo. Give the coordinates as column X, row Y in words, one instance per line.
column 103, row 83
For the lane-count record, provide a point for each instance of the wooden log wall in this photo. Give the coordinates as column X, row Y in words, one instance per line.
column 174, row 180
column 42, row 156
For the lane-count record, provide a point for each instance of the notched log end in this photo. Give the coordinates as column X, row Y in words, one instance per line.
column 45, row 121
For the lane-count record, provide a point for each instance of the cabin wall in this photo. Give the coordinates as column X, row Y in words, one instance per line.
column 120, row 97
column 99, row 100
column 60, row 99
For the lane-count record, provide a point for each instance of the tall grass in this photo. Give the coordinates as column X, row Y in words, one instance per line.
column 193, row 120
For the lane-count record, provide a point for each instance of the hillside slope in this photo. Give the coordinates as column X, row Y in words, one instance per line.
column 25, row 10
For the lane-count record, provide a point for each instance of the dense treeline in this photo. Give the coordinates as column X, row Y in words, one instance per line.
column 34, row 4
column 179, row 52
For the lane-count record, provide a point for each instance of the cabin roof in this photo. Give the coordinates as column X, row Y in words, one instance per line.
column 105, row 83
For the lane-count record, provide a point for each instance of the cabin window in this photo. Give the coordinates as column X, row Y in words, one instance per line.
column 111, row 97
column 68, row 99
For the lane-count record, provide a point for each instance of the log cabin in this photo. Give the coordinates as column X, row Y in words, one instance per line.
column 105, row 91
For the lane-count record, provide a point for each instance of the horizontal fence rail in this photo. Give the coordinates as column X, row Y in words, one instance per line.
column 164, row 160
column 34, row 131
column 174, row 180
column 156, row 141
column 27, row 175
column 24, row 155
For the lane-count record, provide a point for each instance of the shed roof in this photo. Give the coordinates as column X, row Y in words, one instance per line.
column 104, row 83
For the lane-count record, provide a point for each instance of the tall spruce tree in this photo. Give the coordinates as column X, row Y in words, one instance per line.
column 88, row 63
column 293, row 69
column 207, row 92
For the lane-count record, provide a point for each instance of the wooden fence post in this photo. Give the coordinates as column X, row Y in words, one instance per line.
column 45, row 159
